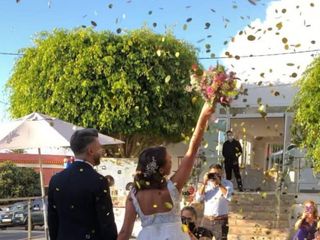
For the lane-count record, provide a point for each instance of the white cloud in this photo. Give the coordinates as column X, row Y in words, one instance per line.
column 300, row 21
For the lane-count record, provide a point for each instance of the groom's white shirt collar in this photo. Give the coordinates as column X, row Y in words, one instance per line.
column 80, row 160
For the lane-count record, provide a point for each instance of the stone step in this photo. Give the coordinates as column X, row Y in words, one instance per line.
column 259, row 223
column 283, row 236
column 262, row 195
column 259, row 216
column 262, row 231
column 241, row 208
column 250, row 198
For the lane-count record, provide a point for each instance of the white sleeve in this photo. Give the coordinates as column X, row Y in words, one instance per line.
column 199, row 197
column 229, row 187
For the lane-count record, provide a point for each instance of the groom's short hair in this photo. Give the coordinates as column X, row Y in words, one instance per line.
column 80, row 139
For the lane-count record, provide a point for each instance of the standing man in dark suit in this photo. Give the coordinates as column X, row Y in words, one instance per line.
column 231, row 151
column 79, row 202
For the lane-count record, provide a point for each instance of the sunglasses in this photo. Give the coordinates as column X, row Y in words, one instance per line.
column 186, row 219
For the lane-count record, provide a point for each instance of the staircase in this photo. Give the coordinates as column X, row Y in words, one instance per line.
column 258, row 216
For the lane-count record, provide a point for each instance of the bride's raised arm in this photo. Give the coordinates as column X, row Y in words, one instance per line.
column 184, row 170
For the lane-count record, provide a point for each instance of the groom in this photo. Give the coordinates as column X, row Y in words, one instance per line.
column 79, row 202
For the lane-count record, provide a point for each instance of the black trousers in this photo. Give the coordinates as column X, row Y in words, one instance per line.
column 233, row 166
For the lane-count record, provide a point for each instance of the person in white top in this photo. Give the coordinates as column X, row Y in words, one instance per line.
column 216, row 193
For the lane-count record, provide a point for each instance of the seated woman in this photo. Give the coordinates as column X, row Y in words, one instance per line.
column 306, row 225
column 155, row 198
column 189, row 218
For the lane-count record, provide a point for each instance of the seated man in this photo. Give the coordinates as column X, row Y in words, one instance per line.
column 189, row 218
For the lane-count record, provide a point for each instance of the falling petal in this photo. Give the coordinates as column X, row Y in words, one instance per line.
column 185, row 228
column 293, row 75
column 119, row 30
column 189, row 19
column 154, row 24
column 253, row 2
column 168, row 205
column 279, row 25
column 93, row 23
column 110, row 5
column 251, row 38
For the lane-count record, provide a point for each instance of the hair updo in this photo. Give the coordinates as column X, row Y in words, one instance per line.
column 148, row 175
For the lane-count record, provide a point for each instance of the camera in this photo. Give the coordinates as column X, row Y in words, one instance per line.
column 186, row 193
column 213, row 176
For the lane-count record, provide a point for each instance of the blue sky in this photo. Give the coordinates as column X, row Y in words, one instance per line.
column 20, row 21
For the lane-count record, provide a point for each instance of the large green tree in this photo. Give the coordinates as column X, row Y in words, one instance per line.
column 306, row 127
column 18, row 181
column 130, row 86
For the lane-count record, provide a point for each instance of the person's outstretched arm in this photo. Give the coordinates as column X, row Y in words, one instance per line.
column 184, row 171
column 129, row 219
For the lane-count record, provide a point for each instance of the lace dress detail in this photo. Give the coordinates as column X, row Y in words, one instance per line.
column 165, row 225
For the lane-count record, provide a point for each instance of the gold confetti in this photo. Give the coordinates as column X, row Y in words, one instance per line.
column 81, row 169
column 184, row 228
column 57, row 189
column 155, row 206
column 168, row 205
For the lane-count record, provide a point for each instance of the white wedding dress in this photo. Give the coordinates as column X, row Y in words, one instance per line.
column 162, row 226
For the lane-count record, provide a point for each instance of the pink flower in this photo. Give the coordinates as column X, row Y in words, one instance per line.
column 221, row 77
column 209, row 92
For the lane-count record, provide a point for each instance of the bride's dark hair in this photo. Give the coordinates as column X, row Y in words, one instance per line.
column 148, row 175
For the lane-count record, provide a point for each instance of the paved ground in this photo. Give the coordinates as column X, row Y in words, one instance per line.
column 17, row 233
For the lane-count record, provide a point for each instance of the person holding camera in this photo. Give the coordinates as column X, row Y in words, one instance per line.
column 307, row 224
column 189, row 218
column 216, row 193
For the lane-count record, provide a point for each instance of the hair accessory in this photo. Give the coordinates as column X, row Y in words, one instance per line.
column 151, row 168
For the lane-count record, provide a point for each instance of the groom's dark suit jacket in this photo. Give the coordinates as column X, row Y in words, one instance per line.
column 80, row 206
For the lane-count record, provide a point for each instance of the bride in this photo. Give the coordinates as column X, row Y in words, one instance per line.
column 154, row 198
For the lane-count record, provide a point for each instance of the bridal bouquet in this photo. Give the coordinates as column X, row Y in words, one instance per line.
column 215, row 85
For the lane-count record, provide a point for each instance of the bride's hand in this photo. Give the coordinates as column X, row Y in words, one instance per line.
column 208, row 108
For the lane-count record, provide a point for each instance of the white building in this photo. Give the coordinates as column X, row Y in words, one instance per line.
column 261, row 120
